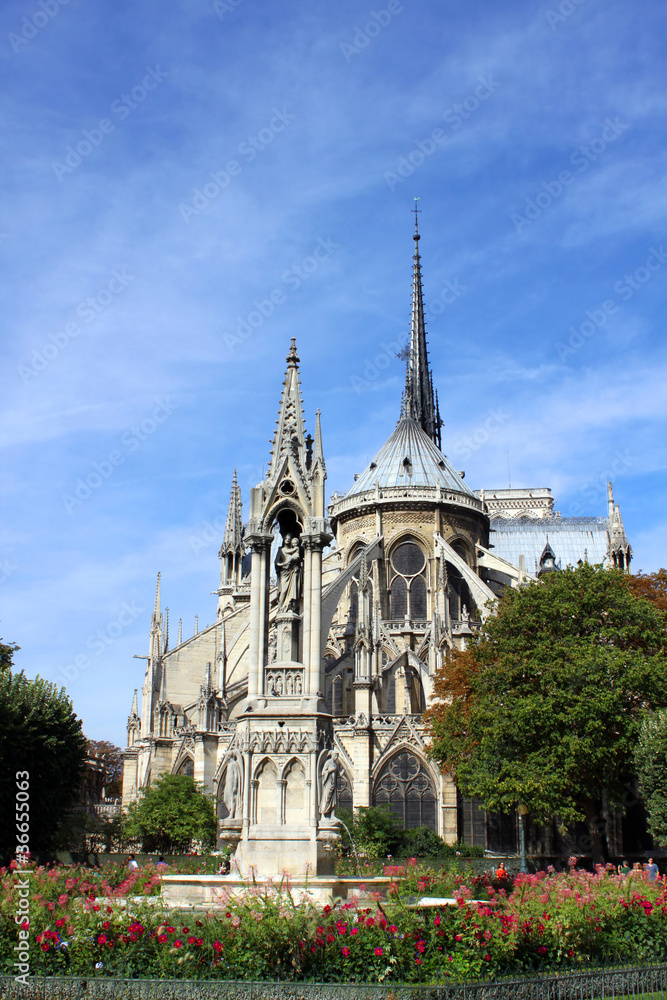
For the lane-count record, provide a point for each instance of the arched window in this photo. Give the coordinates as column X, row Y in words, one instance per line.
column 187, row 767
column 408, row 582
column 345, row 798
column 405, row 786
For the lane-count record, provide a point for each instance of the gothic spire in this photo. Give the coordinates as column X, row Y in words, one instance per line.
column 420, row 403
column 156, row 626
column 233, row 538
column 318, row 450
column 290, row 435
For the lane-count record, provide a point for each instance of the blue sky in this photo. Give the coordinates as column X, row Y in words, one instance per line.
column 188, row 185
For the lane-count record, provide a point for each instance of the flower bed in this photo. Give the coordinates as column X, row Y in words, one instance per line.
column 81, row 922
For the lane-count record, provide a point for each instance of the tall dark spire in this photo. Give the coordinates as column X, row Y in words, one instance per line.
column 420, row 403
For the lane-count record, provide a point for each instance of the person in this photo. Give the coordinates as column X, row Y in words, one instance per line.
column 132, row 862
column 225, row 866
column 501, row 874
column 651, row 870
column 636, row 869
column 624, row 869
column 161, row 865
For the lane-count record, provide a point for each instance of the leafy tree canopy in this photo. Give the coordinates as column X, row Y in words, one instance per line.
column 40, row 734
column 651, row 767
column 652, row 586
column 171, row 814
column 545, row 706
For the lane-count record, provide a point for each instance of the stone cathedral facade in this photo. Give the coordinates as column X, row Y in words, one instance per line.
column 308, row 689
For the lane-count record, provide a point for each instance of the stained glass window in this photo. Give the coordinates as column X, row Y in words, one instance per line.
column 405, row 786
column 408, row 582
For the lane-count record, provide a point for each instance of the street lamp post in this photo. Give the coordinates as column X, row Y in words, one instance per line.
column 522, row 811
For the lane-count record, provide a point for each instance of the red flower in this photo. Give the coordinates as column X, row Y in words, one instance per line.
column 331, row 937
column 162, row 938
column 186, row 930
column 102, row 939
column 178, row 943
column 378, row 951
column 106, row 925
column 355, row 930
column 345, row 951
column 217, row 946
column 192, row 940
column 418, row 961
column 45, row 947
column 541, row 950
column 420, row 946
column 59, row 923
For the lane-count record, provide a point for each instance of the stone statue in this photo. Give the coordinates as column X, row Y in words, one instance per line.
column 288, row 570
column 231, row 795
column 328, row 790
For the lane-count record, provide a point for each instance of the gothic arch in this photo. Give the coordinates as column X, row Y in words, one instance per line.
column 407, row 568
column 404, row 783
column 185, row 764
column 463, row 547
column 355, row 548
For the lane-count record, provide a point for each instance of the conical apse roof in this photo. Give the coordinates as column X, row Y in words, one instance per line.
column 409, row 458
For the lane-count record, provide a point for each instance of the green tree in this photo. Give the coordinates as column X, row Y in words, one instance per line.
column 545, row 706
column 651, row 767
column 171, row 815
column 40, row 735
column 112, row 759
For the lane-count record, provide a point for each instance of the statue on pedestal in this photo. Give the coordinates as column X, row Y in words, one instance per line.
column 288, row 570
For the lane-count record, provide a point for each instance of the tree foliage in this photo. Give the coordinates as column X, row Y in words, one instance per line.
column 652, row 586
column 545, row 706
column 112, row 759
column 651, row 767
column 40, row 734
column 171, row 815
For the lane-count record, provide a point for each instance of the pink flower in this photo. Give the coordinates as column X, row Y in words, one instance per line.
column 378, row 951
column 345, row 952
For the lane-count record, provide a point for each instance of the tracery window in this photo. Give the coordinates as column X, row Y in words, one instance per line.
column 344, row 791
column 405, row 786
column 408, row 582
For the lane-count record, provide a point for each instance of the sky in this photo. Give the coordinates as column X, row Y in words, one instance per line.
column 189, row 185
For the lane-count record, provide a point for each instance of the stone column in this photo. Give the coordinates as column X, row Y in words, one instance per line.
column 306, row 604
column 254, row 666
column 316, row 618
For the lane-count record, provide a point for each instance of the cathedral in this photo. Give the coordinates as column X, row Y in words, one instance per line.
column 308, row 689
